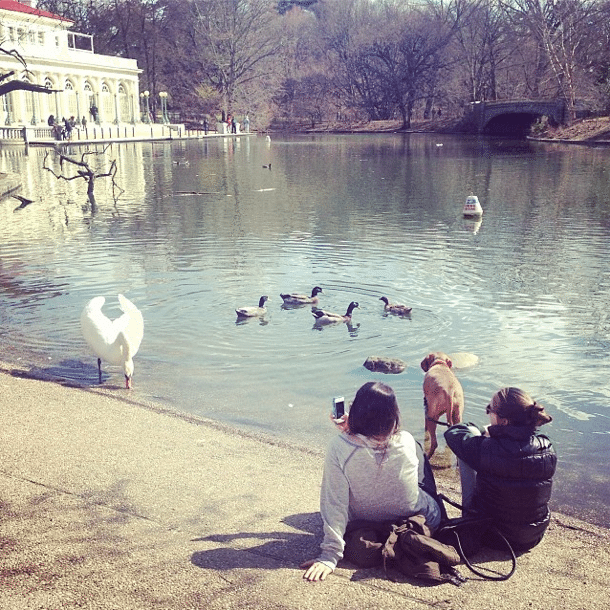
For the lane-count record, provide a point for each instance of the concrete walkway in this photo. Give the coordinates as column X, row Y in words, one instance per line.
column 107, row 502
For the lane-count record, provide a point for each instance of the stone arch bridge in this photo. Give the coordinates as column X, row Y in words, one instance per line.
column 515, row 116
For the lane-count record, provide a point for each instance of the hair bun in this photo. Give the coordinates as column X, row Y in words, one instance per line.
column 519, row 408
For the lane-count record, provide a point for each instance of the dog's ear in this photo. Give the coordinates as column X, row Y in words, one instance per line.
column 426, row 362
column 448, row 361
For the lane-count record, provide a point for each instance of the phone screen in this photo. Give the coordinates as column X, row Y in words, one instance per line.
column 338, row 407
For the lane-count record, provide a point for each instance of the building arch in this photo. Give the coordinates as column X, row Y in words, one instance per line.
column 71, row 104
column 123, row 104
column 89, row 100
column 51, row 101
column 29, row 105
column 106, row 105
column 8, row 108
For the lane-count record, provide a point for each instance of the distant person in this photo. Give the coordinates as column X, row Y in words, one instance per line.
column 507, row 467
column 233, row 125
column 247, row 124
column 51, row 120
column 83, row 122
column 373, row 471
column 205, row 125
column 67, row 129
column 94, row 112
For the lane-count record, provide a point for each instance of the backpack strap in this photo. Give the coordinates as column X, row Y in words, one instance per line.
column 477, row 570
column 452, row 529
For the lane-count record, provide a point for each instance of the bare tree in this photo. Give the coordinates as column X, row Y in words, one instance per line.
column 484, row 43
column 236, row 42
column 562, row 28
column 82, row 170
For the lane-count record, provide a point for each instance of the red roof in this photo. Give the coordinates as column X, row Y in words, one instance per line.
column 17, row 7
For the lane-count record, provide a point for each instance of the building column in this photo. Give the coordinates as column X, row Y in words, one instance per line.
column 78, row 105
column 117, row 116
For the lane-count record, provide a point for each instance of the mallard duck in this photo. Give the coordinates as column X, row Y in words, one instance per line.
column 395, row 308
column 301, row 299
column 253, row 312
column 115, row 341
column 327, row 317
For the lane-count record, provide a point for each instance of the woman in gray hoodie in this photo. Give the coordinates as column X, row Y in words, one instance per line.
column 372, row 471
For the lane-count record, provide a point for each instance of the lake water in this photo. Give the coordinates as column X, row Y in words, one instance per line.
column 202, row 228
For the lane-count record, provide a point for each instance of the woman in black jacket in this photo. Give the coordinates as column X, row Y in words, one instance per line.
column 514, row 467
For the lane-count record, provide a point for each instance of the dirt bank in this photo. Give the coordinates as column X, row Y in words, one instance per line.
column 583, row 131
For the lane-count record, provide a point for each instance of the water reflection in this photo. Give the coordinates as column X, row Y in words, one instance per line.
column 527, row 290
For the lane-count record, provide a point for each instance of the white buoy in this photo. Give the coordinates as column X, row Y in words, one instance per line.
column 472, row 207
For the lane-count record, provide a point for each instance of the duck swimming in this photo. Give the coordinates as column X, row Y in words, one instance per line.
column 395, row 308
column 253, row 312
column 115, row 341
column 302, row 299
column 327, row 317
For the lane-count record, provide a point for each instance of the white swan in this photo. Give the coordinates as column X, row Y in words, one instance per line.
column 115, row 341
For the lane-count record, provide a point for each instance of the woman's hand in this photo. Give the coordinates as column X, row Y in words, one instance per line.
column 341, row 422
column 316, row 570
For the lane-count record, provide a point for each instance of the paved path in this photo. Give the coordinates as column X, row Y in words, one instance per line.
column 111, row 503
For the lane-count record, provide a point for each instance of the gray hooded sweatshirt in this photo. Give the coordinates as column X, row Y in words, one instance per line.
column 364, row 479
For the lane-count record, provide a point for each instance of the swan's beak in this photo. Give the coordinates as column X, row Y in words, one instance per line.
column 127, row 382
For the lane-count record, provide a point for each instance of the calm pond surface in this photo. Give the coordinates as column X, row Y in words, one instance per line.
column 202, row 228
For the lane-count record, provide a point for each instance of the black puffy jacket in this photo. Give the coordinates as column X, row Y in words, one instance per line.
column 515, row 467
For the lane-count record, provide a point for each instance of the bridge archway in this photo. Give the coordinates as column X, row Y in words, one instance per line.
column 514, row 117
column 516, row 124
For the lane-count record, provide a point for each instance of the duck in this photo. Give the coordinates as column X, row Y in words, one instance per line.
column 253, row 312
column 302, row 299
column 115, row 341
column 395, row 308
column 267, row 166
column 327, row 317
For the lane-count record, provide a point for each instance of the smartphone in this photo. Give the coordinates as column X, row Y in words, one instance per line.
column 338, row 407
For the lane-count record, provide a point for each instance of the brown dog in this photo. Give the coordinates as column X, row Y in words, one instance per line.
column 443, row 394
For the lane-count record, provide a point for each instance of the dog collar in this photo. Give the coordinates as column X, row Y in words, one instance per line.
column 439, row 361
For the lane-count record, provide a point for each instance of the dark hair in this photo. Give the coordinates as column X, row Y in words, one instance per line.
column 374, row 411
column 518, row 408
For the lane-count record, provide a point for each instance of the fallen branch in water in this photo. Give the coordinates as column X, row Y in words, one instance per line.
column 84, row 171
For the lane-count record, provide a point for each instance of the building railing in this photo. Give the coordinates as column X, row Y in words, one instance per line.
column 48, row 136
column 11, row 133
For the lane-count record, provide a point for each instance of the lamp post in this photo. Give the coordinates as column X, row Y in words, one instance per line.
column 164, row 117
column 144, row 95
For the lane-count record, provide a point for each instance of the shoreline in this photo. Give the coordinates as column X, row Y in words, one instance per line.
column 585, row 132
column 110, row 503
column 443, row 462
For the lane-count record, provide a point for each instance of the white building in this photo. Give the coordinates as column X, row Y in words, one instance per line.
column 59, row 59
